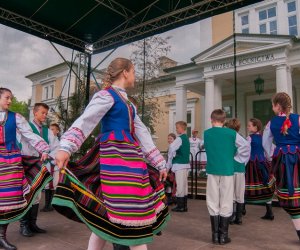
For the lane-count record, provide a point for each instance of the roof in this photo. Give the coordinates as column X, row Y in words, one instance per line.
column 107, row 24
column 245, row 35
column 59, row 66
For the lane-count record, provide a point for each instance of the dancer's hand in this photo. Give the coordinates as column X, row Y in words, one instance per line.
column 163, row 175
column 62, row 158
column 44, row 156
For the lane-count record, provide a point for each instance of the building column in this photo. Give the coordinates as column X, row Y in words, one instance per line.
column 284, row 79
column 180, row 103
column 209, row 100
column 218, row 95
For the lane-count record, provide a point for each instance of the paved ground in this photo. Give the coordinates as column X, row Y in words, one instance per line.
column 185, row 231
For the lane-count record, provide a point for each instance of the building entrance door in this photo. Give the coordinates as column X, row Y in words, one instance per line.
column 262, row 110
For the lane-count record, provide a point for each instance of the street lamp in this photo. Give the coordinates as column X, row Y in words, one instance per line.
column 259, row 85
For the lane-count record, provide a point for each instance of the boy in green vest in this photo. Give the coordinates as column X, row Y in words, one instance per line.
column 179, row 163
column 40, row 111
column 223, row 147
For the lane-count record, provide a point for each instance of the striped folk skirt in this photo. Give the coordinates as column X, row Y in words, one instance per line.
column 123, row 203
column 287, row 173
column 21, row 180
column 260, row 182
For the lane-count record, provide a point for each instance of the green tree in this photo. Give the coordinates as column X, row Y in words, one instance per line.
column 67, row 117
column 20, row 107
column 146, row 57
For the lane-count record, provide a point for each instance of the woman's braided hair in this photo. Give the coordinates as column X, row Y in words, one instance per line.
column 285, row 102
column 114, row 70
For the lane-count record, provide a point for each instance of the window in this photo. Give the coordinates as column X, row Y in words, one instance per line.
column 291, row 6
column 267, row 21
column 292, row 18
column 245, row 24
column 48, row 92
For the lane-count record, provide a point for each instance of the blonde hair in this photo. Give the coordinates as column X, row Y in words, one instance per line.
column 114, row 70
column 183, row 124
column 285, row 102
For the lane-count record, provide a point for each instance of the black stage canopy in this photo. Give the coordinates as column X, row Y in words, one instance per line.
column 106, row 24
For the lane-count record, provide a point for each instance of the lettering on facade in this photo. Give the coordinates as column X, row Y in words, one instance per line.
column 243, row 61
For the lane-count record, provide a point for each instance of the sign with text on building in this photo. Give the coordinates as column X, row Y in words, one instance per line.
column 243, row 61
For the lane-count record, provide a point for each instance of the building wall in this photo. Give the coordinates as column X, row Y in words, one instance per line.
column 222, row 27
column 163, row 126
column 281, row 18
column 38, row 93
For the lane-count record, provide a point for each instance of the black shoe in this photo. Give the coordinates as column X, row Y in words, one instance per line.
column 233, row 216
column 3, row 241
column 48, row 199
column 269, row 213
column 32, row 220
column 24, row 225
column 223, row 230
column 180, row 205
column 120, row 247
column 214, row 220
column 298, row 233
column 239, row 214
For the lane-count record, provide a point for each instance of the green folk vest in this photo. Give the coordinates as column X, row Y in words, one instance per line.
column 44, row 132
column 183, row 153
column 220, row 149
column 239, row 167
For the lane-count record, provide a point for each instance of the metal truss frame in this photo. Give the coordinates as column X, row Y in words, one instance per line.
column 135, row 25
column 196, row 10
column 42, row 30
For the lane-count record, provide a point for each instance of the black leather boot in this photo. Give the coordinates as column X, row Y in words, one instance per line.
column 269, row 213
column 244, row 209
column 180, row 205
column 233, row 216
column 48, row 199
column 185, row 203
column 24, row 225
column 3, row 241
column 239, row 213
column 298, row 233
column 214, row 220
column 223, row 230
column 33, row 218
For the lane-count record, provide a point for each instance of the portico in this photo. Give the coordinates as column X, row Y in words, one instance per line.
column 273, row 58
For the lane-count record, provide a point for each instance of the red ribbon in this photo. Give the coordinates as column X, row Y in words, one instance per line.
column 285, row 126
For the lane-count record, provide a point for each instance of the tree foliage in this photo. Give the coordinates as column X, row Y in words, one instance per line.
column 20, row 107
column 67, row 117
column 146, row 57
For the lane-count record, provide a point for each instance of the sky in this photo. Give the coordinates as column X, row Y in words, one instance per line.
column 23, row 54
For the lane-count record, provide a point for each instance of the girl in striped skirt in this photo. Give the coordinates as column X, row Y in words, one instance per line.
column 260, row 182
column 16, row 192
column 284, row 131
column 133, row 210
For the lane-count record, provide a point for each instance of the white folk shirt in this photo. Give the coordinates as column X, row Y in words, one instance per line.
column 195, row 146
column 174, row 146
column 28, row 149
column 100, row 104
